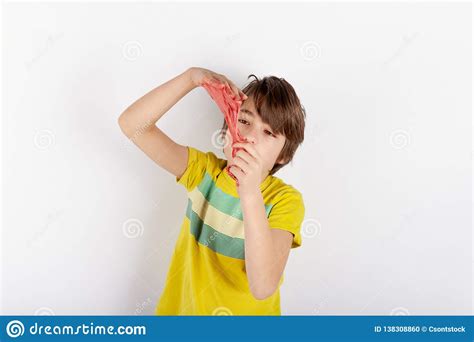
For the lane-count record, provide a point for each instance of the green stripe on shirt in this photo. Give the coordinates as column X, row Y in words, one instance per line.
column 221, row 200
column 208, row 236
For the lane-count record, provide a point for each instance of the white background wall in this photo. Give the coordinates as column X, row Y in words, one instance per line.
column 385, row 169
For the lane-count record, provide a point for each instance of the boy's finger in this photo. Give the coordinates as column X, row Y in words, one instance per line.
column 243, row 154
column 241, row 164
column 231, row 174
column 235, row 89
column 248, row 147
column 243, row 144
column 219, row 83
column 240, row 148
column 242, row 95
column 237, row 171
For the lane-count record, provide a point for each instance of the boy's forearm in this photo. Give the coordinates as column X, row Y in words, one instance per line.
column 148, row 109
column 260, row 254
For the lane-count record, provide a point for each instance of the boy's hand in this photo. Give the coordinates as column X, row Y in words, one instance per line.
column 201, row 75
column 247, row 168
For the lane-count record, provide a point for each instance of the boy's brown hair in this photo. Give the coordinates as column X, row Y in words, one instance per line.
column 278, row 106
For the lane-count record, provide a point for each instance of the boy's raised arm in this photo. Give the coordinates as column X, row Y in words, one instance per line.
column 138, row 122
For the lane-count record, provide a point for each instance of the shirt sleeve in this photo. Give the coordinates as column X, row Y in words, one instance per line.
column 195, row 169
column 288, row 213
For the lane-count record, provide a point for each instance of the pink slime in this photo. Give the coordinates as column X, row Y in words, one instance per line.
column 229, row 105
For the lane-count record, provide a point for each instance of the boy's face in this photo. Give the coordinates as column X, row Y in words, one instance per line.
column 267, row 143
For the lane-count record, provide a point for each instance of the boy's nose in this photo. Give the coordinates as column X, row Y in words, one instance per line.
column 250, row 136
column 250, row 139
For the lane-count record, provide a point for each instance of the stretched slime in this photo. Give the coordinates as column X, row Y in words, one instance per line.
column 229, row 105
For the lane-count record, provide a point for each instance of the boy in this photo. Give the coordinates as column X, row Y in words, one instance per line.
column 237, row 234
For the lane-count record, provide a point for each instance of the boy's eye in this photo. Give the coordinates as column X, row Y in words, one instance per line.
column 273, row 135
column 243, row 121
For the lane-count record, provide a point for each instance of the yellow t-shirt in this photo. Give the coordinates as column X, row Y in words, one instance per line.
column 207, row 274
